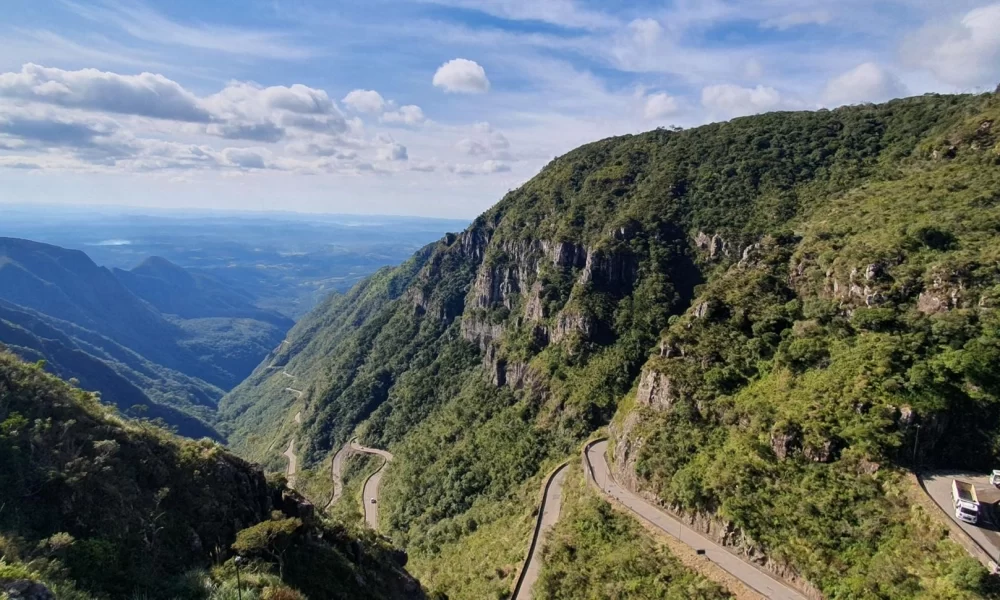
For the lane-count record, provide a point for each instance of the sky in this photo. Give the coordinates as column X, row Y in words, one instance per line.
column 424, row 107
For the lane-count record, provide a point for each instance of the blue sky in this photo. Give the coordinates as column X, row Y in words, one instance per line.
column 433, row 107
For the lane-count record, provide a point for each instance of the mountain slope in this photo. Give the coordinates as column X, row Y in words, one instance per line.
column 97, row 505
column 169, row 340
column 499, row 349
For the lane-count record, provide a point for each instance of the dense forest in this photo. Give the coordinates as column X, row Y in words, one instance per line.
column 763, row 310
column 95, row 506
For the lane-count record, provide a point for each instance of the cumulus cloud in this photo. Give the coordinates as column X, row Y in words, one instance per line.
column 730, row 100
column 366, row 101
column 145, row 94
column 239, row 111
column 247, row 158
column 463, row 76
column 660, row 105
column 867, row 82
column 963, row 53
column 410, row 114
column 392, row 151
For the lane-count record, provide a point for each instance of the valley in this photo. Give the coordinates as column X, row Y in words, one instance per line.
column 683, row 364
column 706, row 323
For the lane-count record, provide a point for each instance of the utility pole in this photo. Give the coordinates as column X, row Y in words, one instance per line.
column 916, row 441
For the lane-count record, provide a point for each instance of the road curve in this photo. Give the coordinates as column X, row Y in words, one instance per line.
column 548, row 515
column 601, row 476
column 293, row 463
column 337, row 472
column 372, row 484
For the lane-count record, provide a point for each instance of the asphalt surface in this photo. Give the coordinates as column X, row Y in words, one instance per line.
column 745, row 571
column 372, row 484
column 293, row 463
column 986, row 533
column 337, row 472
column 549, row 516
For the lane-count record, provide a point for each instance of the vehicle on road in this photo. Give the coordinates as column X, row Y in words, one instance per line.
column 373, row 500
column 966, row 501
column 995, row 478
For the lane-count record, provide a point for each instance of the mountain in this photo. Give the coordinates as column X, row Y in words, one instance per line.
column 760, row 311
column 155, row 336
column 96, row 506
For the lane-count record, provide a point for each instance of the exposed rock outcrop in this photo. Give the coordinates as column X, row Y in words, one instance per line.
column 23, row 589
column 656, row 390
column 481, row 333
column 570, row 322
column 615, row 269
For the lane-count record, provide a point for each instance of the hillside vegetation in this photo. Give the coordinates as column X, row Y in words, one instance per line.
column 764, row 310
column 94, row 506
column 158, row 337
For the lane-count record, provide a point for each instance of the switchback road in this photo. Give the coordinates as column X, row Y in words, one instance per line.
column 548, row 516
column 372, row 484
column 753, row 576
column 337, row 472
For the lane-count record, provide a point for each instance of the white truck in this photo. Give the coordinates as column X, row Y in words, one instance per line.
column 995, row 478
column 966, row 501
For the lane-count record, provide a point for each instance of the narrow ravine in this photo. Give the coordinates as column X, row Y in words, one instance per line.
column 548, row 516
column 601, row 476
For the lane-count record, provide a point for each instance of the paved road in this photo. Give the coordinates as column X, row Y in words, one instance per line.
column 547, row 518
column 372, row 484
column 337, row 472
column 985, row 533
column 745, row 571
column 293, row 463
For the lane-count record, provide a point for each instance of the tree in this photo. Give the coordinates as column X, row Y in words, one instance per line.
column 270, row 538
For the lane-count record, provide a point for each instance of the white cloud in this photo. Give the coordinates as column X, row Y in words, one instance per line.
column 247, row 158
column 796, row 19
column 367, row 101
column 462, row 75
column 391, row 151
column 486, row 167
column 407, row 115
column 660, row 105
column 728, row 100
column 146, row 94
column 868, row 82
column 965, row 52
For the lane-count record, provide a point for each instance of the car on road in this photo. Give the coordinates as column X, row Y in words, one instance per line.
column 373, row 500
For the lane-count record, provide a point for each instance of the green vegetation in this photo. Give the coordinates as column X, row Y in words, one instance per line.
column 809, row 285
column 96, row 506
column 157, row 337
column 596, row 553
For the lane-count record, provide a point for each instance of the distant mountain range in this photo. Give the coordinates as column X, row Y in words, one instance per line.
column 156, row 335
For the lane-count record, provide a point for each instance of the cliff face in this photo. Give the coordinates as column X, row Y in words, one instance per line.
column 764, row 247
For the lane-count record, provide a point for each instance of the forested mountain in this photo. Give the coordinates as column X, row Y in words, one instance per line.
column 763, row 310
column 155, row 336
column 93, row 506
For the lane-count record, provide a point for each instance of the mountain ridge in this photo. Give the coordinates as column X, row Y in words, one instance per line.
column 513, row 340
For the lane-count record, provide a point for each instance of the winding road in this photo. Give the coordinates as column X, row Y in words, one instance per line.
column 293, row 463
column 548, row 516
column 372, row 484
column 337, row 472
column 757, row 579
